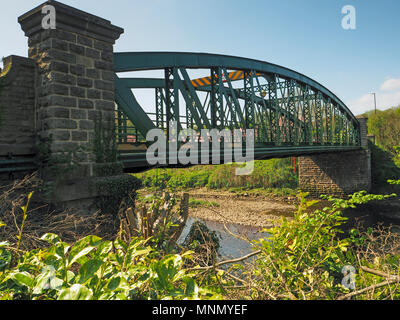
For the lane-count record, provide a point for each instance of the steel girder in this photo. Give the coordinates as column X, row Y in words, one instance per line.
column 285, row 108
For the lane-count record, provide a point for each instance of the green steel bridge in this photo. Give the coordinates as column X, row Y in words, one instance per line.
column 290, row 113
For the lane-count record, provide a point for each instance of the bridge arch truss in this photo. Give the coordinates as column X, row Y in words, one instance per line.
column 289, row 112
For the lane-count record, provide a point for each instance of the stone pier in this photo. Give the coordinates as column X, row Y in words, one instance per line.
column 53, row 101
column 337, row 174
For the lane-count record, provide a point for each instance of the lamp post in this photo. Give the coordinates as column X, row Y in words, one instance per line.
column 374, row 100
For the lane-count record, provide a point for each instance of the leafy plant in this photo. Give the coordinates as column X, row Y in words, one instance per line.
column 93, row 269
column 304, row 257
column 25, row 215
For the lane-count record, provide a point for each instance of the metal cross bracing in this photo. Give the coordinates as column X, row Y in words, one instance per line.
column 290, row 113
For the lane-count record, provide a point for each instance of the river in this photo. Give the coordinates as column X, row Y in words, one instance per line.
column 230, row 246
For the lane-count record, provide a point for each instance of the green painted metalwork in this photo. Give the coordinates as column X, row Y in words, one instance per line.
column 159, row 108
column 287, row 110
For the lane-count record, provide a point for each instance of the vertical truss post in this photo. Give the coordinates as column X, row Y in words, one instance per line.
column 291, row 108
column 275, row 113
column 318, row 118
column 249, row 99
column 172, row 98
column 189, row 118
column 307, row 120
column 329, row 121
column 236, row 111
column 217, row 100
column 124, row 128
column 159, row 109
column 263, row 115
column 338, row 125
column 283, row 105
column 119, row 125
column 351, row 133
column 346, row 132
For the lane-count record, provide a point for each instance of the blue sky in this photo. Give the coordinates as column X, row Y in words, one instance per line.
column 304, row 35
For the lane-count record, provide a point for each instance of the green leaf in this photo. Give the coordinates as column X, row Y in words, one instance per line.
column 119, row 244
column 23, row 278
column 114, row 283
column 104, row 249
column 51, row 238
column 191, row 286
column 47, row 281
column 76, row 255
column 4, row 244
column 76, row 292
column 88, row 270
column 5, row 259
column 82, row 248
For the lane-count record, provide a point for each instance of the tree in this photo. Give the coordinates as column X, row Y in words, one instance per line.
column 385, row 125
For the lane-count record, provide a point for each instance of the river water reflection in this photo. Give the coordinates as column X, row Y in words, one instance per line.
column 230, row 246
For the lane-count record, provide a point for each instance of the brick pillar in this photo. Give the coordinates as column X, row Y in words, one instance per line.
column 337, row 174
column 75, row 80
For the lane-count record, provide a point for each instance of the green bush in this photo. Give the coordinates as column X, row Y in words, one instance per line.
column 93, row 269
column 305, row 256
column 385, row 126
column 383, row 167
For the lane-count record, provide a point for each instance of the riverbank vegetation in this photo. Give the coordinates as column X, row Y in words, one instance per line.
column 384, row 126
column 269, row 175
column 307, row 257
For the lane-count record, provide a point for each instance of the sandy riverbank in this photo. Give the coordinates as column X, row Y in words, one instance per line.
column 255, row 211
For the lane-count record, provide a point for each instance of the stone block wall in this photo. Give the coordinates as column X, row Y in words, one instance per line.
column 17, row 107
column 75, row 78
column 337, row 174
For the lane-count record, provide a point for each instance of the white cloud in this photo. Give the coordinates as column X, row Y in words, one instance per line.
column 391, row 85
column 388, row 96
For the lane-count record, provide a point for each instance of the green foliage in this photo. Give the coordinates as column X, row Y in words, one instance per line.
column 194, row 203
column 115, row 188
column 383, row 166
column 162, row 221
column 108, row 169
column 274, row 173
column 25, row 215
column 385, row 126
column 93, row 269
column 396, row 158
column 304, row 256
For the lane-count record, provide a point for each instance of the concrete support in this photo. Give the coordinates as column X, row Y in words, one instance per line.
column 337, row 174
